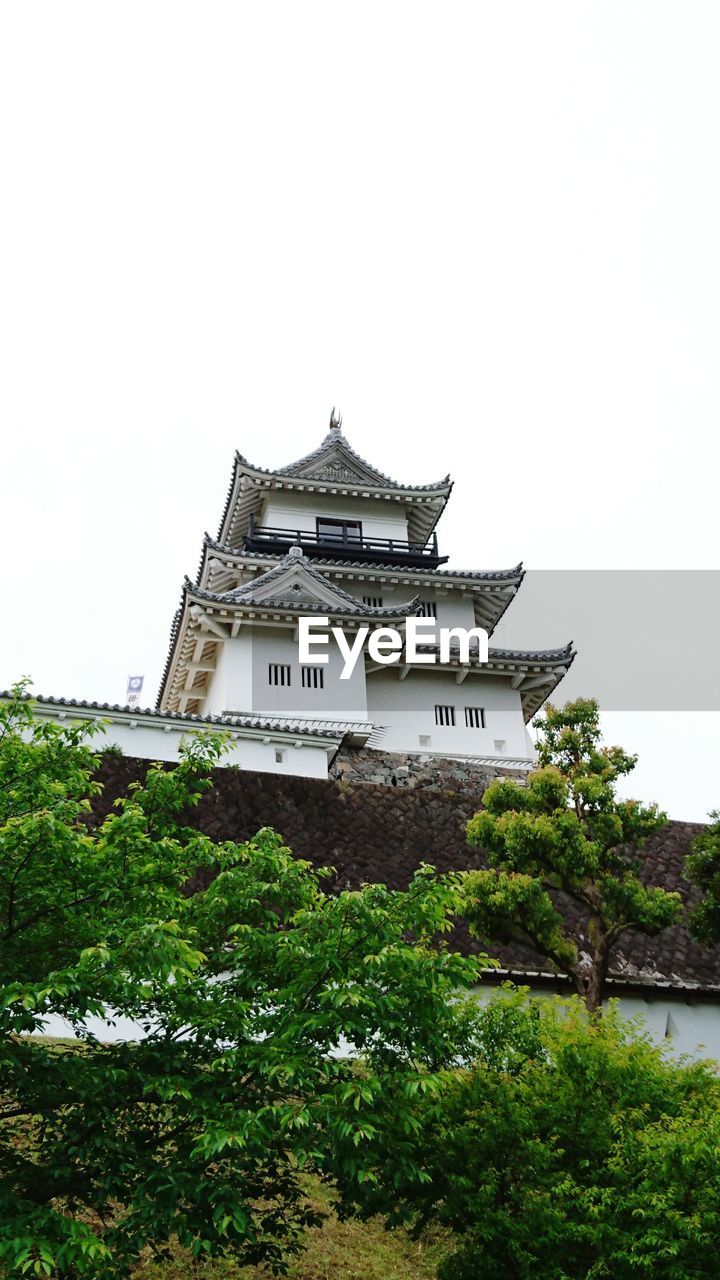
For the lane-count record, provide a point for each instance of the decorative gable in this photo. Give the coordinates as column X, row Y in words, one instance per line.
column 294, row 582
column 335, row 460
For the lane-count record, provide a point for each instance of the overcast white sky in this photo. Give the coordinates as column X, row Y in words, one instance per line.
column 487, row 232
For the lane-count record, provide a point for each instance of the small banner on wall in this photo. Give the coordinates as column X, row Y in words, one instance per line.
column 134, row 689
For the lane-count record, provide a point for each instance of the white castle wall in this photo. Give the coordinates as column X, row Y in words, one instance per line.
column 151, row 738
column 379, row 519
column 683, row 1028
column 407, row 709
column 244, row 685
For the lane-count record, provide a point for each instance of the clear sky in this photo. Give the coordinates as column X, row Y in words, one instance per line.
column 487, row 232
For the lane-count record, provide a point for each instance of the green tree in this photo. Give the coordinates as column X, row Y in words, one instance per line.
column 702, row 867
column 562, row 855
column 571, row 1149
column 246, row 993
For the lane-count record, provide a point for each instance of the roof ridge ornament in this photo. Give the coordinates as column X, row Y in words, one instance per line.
column 335, row 421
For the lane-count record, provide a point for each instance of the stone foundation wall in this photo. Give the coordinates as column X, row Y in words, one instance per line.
column 373, row 832
column 392, row 769
column 367, row 832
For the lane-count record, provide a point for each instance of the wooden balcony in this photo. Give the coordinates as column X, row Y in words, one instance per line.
column 343, row 545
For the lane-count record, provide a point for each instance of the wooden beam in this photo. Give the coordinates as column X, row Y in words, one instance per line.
column 216, row 627
column 538, row 682
column 197, row 653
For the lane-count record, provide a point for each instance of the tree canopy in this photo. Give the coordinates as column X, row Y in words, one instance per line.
column 567, row 1149
column 563, row 870
column 702, row 867
column 246, row 996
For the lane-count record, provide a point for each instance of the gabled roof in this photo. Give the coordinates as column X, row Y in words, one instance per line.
column 333, row 468
column 491, row 590
column 295, row 585
column 335, row 459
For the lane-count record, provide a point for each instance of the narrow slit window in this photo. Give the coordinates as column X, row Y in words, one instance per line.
column 428, row 609
column 375, row 602
column 279, row 673
column 475, row 717
column 444, row 715
column 313, row 678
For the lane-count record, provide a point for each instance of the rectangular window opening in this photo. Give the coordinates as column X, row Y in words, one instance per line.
column 375, row 602
column 313, row 677
column 279, row 673
column 338, row 530
column 444, row 715
column 475, row 717
column 428, row 609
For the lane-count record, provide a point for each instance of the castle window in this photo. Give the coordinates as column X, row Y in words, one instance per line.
column 313, row 678
column 338, row 530
column 279, row 673
column 375, row 602
column 475, row 717
column 279, row 755
column 445, row 715
column 428, row 609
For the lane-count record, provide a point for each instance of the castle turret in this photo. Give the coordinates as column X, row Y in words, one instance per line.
column 332, row 536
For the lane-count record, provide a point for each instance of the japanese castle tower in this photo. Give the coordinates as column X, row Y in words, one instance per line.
column 330, row 535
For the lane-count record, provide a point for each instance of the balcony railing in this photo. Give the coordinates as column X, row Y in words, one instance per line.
column 343, row 545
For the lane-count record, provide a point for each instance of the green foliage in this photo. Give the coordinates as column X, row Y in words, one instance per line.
column 571, row 1149
column 203, row 1130
column 702, row 867
column 562, row 851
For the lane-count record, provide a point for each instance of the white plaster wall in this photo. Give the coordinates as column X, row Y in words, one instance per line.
column 380, row 519
column 407, row 708
column 247, row 687
column 454, row 609
column 150, row 741
column 684, row 1027
column 697, row 1026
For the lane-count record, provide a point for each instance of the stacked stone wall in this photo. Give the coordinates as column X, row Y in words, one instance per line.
column 393, row 769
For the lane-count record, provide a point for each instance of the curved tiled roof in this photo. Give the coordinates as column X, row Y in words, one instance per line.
column 174, row 629
column 334, row 466
column 240, row 719
column 535, row 655
column 564, row 654
column 243, row 596
column 335, row 439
